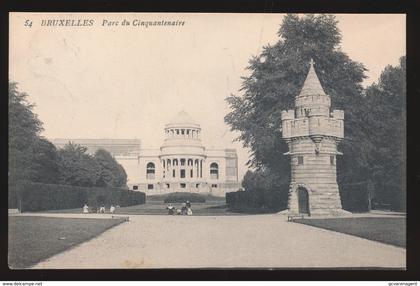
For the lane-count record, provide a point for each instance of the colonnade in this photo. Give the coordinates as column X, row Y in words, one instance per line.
column 182, row 168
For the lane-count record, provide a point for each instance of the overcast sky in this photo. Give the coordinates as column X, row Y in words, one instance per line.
column 128, row 81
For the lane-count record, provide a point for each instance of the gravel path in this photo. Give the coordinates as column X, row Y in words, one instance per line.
column 224, row 242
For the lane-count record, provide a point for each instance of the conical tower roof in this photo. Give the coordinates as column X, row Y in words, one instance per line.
column 312, row 85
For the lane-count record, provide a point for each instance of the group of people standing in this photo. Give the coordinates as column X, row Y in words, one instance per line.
column 99, row 210
column 184, row 210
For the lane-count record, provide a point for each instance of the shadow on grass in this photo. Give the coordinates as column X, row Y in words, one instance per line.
column 33, row 239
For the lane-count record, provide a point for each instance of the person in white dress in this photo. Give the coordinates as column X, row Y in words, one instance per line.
column 85, row 209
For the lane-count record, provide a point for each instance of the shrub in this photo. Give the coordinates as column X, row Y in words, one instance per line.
column 37, row 196
column 354, row 196
column 183, row 197
column 256, row 201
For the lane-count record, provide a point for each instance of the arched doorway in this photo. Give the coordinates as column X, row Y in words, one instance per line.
column 303, row 200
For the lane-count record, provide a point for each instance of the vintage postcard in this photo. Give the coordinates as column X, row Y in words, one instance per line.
column 196, row 140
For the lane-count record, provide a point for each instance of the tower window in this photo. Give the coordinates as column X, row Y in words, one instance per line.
column 182, row 162
column 150, row 186
column 182, row 173
column 183, row 185
column 135, row 188
column 332, row 160
column 173, row 173
column 300, row 160
column 168, row 186
column 214, row 185
column 191, row 173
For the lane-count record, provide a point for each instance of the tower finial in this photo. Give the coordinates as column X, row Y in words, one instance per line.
column 312, row 62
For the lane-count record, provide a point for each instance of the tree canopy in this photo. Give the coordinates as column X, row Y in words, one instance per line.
column 24, row 129
column 112, row 174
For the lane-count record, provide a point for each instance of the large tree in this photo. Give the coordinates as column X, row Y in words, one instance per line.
column 111, row 174
column 45, row 162
column 276, row 77
column 77, row 168
column 384, row 119
column 24, row 129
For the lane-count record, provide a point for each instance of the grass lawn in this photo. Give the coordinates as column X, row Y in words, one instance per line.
column 32, row 239
column 390, row 230
column 159, row 208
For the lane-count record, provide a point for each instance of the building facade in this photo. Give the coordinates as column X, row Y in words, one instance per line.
column 312, row 133
column 182, row 163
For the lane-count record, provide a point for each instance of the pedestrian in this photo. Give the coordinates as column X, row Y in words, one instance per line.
column 189, row 211
column 188, row 204
column 112, row 209
column 85, row 209
column 102, row 209
column 184, row 209
column 171, row 209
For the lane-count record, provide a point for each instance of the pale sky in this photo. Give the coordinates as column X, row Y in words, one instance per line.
column 128, row 81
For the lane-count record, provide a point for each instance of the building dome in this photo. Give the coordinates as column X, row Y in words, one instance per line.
column 182, row 119
column 182, row 136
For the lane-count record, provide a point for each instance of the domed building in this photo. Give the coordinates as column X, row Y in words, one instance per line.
column 182, row 163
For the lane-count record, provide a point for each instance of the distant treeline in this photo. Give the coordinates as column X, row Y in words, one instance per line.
column 34, row 159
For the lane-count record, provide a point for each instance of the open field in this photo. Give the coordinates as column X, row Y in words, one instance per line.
column 32, row 239
column 390, row 230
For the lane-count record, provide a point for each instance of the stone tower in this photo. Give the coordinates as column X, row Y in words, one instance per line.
column 312, row 134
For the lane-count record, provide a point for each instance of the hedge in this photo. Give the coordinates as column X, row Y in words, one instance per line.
column 30, row 196
column 354, row 197
column 256, row 201
column 183, row 197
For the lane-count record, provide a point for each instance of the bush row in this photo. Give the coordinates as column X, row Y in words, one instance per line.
column 354, row 197
column 183, row 197
column 256, row 201
column 30, row 196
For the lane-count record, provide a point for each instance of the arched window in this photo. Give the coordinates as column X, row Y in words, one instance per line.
column 214, row 171
column 190, row 162
column 175, row 162
column 150, row 170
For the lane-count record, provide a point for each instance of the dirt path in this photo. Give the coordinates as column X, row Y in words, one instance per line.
column 224, row 241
